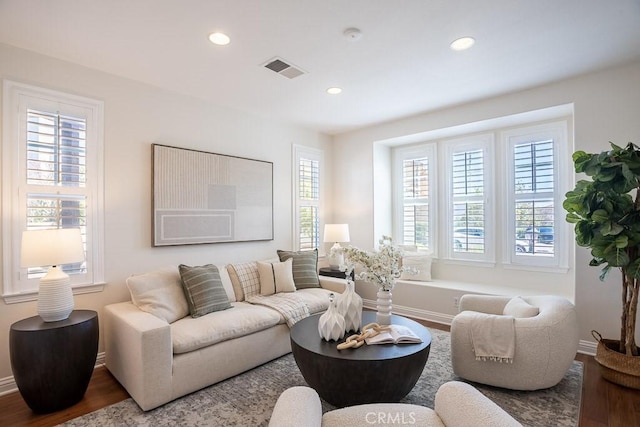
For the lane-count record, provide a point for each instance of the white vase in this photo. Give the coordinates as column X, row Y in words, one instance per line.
column 331, row 323
column 383, row 317
column 349, row 304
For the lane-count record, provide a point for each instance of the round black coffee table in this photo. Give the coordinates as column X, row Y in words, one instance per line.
column 369, row 374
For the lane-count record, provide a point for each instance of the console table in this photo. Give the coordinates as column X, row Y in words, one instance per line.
column 369, row 374
column 52, row 362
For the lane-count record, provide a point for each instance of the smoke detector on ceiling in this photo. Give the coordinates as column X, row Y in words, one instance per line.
column 352, row 34
column 284, row 68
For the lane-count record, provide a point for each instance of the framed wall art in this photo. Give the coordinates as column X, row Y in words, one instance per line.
column 201, row 197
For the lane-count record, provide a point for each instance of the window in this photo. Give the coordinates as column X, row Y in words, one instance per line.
column 533, row 194
column 52, row 178
column 500, row 201
column 415, row 190
column 307, row 170
column 469, row 215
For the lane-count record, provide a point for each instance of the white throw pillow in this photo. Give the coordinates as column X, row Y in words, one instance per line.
column 276, row 277
column 519, row 308
column 159, row 293
column 418, row 261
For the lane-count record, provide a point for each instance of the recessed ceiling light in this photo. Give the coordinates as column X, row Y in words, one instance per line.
column 334, row 90
column 462, row 43
column 220, row 39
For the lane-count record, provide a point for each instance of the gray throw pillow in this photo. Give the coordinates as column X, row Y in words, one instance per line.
column 305, row 267
column 203, row 289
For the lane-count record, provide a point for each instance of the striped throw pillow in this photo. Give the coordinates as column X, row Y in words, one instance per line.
column 305, row 267
column 203, row 289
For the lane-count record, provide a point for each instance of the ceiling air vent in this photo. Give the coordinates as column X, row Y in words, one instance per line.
column 283, row 68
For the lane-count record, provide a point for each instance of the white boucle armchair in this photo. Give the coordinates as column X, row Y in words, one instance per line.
column 545, row 344
column 457, row 404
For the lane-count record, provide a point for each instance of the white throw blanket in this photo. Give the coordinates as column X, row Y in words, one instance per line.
column 291, row 306
column 493, row 337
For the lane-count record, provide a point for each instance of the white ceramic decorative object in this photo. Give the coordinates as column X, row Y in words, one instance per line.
column 331, row 323
column 383, row 317
column 55, row 298
column 349, row 304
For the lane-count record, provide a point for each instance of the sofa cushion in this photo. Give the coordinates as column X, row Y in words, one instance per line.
column 519, row 308
column 245, row 279
column 189, row 334
column 203, row 289
column 226, row 282
column 159, row 293
column 317, row 299
column 305, row 267
column 276, row 277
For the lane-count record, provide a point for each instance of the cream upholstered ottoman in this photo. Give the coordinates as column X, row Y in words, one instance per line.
column 456, row 404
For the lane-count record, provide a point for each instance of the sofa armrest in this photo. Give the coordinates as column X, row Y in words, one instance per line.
column 333, row 284
column 297, row 406
column 459, row 404
column 490, row 304
column 139, row 353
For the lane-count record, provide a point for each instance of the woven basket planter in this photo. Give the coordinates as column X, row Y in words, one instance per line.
column 615, row 366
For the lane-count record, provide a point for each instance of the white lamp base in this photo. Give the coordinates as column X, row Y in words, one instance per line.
column 336, row 259
column 55, row 297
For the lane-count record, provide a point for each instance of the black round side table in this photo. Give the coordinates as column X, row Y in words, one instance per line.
column 52, row 362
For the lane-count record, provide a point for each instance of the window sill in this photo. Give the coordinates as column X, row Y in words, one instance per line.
column 477, row 288
column 33, row 295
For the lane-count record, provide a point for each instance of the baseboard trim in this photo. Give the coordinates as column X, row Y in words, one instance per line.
column 587, row 347
column 8, row 385
column 431, row 316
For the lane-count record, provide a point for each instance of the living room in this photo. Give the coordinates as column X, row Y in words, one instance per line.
column 600, row 103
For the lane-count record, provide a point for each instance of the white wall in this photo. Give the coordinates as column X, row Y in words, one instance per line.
column 606, row 107
column 137, row 115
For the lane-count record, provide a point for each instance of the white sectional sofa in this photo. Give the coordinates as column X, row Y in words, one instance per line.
column 159, row 352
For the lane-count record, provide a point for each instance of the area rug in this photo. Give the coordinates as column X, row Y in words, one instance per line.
column 248, row 399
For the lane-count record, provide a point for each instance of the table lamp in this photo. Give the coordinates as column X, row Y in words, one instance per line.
column 336, row 233
column 53, row 248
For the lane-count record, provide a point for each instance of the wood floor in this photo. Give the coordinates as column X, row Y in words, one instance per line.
column 603, row 403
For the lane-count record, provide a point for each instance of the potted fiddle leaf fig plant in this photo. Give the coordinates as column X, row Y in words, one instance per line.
column 606, row 212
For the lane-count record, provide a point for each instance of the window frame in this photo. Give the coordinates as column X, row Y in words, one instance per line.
column 556, row 131
column 399, row 155
column 17, row 99
column 303, row 152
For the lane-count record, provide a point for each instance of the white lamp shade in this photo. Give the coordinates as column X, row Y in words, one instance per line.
column 51, row 247
column 336, row 233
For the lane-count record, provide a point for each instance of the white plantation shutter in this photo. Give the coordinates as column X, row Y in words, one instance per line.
column 56, row 157
column 533, row 165
column 415, row 189
column 307, row 207
column 468, row 201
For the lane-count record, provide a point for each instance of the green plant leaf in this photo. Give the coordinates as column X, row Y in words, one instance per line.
column 600, row 216
column 611, row 228
column 617, row 257
column 573, row 218
column 622, row 242
column 604, row 273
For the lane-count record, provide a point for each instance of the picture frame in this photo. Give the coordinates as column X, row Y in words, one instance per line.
column 201, row 197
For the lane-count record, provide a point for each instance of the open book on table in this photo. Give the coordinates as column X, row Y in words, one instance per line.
column 396, row 334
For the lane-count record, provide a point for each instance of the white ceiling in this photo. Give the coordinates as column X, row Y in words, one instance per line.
column 401, row 66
